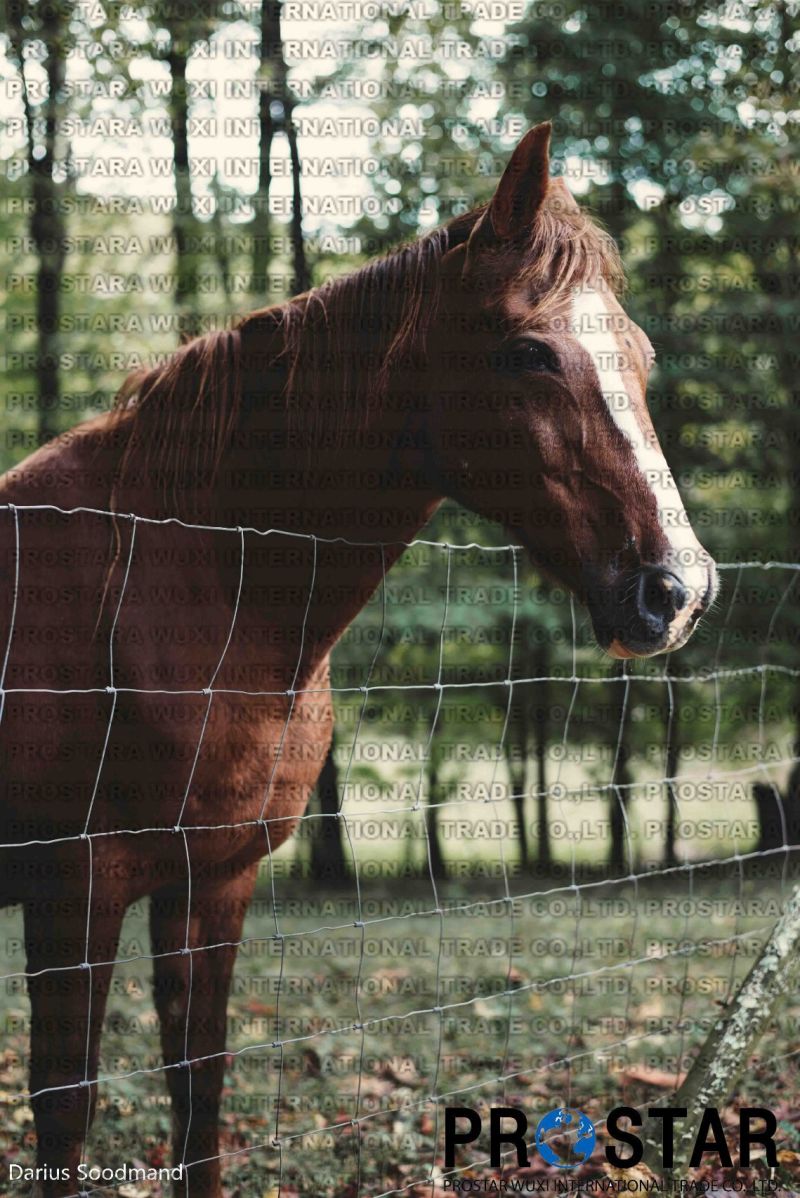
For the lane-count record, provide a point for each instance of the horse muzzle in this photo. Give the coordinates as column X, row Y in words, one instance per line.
column 653, row 609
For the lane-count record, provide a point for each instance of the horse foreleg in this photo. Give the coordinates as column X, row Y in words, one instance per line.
column 191, row 995
column 69, row 970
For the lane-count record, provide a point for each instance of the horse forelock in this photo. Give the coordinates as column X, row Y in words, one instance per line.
column 567, row 251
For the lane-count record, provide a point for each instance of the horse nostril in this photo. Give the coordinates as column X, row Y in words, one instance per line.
column 661, row 593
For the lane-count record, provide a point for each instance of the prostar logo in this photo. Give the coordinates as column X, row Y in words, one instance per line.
column 566, row 1138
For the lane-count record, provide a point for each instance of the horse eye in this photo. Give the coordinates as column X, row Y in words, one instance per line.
column 525, row 357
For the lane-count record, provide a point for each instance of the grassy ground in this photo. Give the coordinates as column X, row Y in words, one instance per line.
column 590, row 998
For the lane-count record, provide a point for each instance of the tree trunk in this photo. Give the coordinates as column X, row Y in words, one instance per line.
column 671, row 766
column 515, row 750
column 272, row 53
column 670, row 858
column 260, row 224
column 221, row 247
column 436, row 861
column 544, row 854
column 726, row 1052
column 47, row 224
column 620, row 779
column 302, row 280
column 328, row 861
column 183, row 221
column 768, row 801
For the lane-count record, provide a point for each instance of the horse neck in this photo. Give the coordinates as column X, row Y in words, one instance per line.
column 355, row 495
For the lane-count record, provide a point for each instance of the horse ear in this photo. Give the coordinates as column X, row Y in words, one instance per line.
column 522, row 188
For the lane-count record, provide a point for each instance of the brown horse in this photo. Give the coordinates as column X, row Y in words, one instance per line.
column 165, row 711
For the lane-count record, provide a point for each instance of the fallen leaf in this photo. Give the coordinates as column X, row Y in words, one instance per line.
column 652, row 1077
column 636, row 1173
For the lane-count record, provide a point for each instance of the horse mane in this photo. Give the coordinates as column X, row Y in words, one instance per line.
column 332, row 351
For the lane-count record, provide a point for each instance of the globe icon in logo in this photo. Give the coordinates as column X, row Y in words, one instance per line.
column 572, row 1132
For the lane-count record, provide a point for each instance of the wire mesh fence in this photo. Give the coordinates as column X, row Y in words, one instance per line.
column 550, row 875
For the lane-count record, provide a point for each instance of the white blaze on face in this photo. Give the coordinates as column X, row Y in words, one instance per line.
column 597, row 319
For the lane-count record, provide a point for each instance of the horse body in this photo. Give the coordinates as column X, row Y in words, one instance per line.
column 166, row 709
column 192, row 722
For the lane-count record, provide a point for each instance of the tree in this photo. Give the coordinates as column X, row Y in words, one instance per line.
column 50, row 24
column 516, row 755
column 619, row 849
column 275, row 109
column 184, row 31
column 541, row 734
column 328, row 862
column 435, row 791
column 671, row 769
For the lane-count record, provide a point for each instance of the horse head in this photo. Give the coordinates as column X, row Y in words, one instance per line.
column 538, row 417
